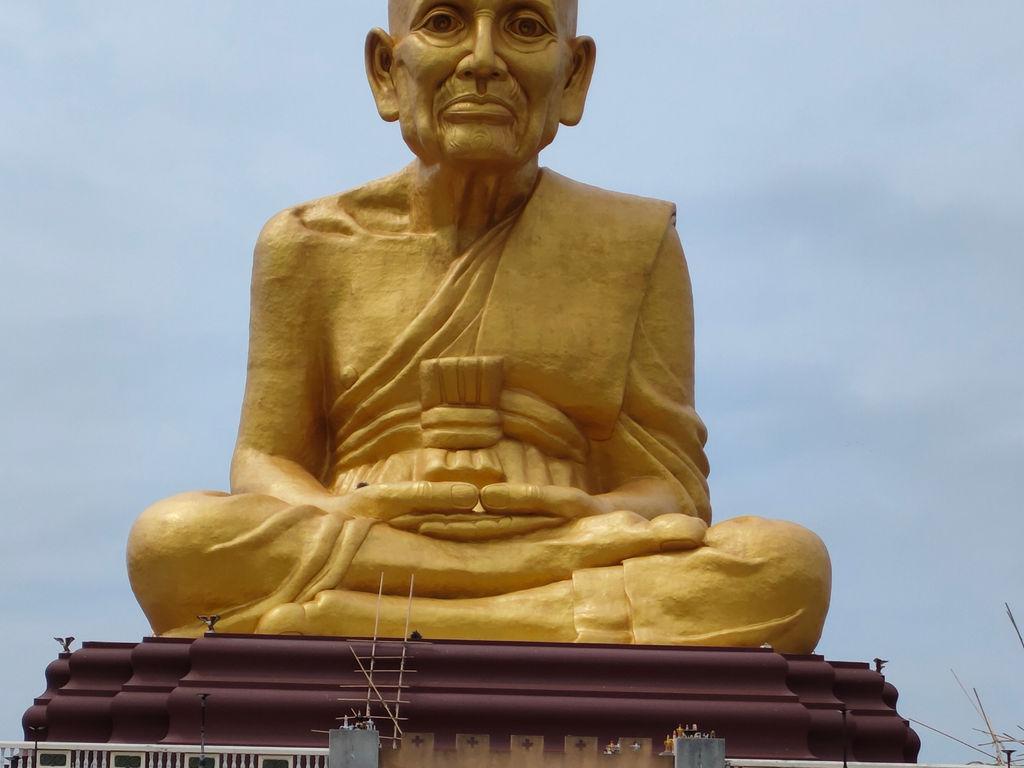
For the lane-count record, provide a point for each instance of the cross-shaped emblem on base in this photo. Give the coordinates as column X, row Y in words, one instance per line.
column 581, row 744
column 417, row 740
column 472, row 741
column 527, row 744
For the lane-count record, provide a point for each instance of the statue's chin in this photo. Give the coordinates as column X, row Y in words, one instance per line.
column 474, row 526
column 481, row 147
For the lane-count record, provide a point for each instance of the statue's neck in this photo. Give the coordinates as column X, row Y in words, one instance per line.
column 464, row 205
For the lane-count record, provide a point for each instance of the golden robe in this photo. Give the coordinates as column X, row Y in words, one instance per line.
column 557, row 350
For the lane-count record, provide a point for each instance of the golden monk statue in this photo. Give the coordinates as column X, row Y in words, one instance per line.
column 481, row 373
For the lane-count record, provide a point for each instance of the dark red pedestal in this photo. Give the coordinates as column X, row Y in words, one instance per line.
column 285, row 691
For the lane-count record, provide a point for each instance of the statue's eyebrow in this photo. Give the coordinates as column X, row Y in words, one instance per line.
column 544, row 7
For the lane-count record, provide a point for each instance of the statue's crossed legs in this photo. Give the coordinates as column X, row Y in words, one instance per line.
column 614, row 577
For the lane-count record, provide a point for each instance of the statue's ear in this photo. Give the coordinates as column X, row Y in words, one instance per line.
column 379, row 60
column 584, row 57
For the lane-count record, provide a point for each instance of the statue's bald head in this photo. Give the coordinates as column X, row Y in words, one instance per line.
column 480, row 83
column 400, row 12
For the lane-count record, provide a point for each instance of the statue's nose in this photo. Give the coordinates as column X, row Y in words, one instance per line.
column 482, row 63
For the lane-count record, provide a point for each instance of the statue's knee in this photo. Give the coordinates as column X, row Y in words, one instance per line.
column 169, row 528
column 793, row 560
column 773, row 539
column 207, row 552
column 754, row 581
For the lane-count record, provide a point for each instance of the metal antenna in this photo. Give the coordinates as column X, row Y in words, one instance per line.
column 952, row 738
column 373, row 687
column 374, row 665
column 988, row 724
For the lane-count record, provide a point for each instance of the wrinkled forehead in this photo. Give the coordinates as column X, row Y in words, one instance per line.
column 402, row 12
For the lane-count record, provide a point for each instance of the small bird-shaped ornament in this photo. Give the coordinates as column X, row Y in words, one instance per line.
column 210, row 621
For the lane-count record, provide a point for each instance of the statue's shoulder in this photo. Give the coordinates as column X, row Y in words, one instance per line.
column 619, row 234
column 380, row 206
column 589, row 206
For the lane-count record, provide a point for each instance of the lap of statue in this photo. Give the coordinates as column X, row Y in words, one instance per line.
column 270, row 567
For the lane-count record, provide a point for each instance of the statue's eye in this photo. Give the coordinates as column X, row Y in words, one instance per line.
column 441, row 22
column 527, row 26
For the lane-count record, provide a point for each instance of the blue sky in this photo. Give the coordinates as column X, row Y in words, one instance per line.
column 848, row 176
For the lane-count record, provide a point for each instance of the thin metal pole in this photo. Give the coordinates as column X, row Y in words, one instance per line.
column 373, row 647
column 401, row 667
column 1014, row 622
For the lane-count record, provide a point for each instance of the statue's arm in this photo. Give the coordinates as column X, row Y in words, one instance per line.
column 281, row 446
column 657, row 450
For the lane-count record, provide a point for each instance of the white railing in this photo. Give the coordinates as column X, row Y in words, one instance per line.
column 751, row 763
column 23, row 754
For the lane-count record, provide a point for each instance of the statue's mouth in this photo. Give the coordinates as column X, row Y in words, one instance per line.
column 474, row 526
column 478, row 109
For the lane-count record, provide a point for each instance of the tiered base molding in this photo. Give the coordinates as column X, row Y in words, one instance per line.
column 289, row 691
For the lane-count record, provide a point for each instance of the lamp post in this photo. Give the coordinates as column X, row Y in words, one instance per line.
column 202, row 728
column 846, row 740
column 35, row 730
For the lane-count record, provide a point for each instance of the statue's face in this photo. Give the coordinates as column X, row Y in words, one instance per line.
column 480, row 82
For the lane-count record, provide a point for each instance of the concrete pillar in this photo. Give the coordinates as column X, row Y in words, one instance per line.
column 697, row 753
column 354, row 748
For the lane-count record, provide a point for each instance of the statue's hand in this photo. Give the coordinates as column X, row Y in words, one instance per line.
column 543, row 500
column 625, row 534
column 394, row 502
column 457, row 512
column 649, row 497
column 460, row 512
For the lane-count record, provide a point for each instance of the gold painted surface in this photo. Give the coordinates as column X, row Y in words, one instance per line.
column 481, row 373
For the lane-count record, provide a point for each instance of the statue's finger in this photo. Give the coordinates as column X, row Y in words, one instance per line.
column 394, row 499
column 678, row 531
column 509, row 497
column 522, row 498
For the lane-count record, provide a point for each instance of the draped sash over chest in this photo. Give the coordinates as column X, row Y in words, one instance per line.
column 554, row 290
column 379, row 414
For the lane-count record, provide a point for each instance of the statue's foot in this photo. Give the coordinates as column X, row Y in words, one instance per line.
column 543, row 614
